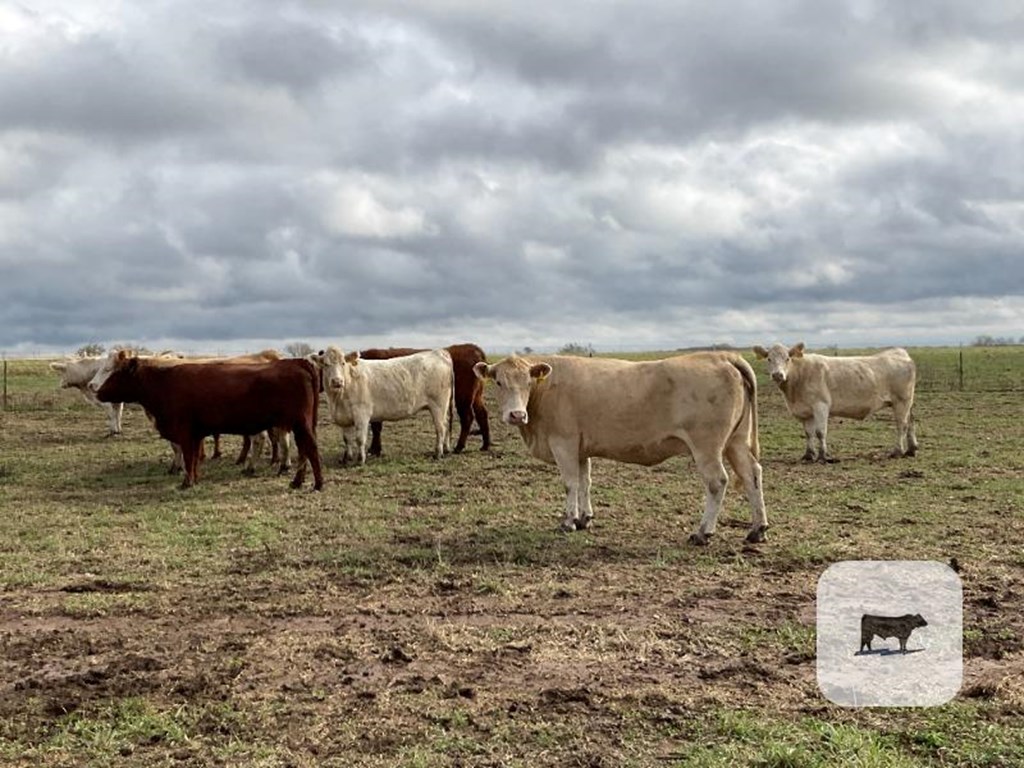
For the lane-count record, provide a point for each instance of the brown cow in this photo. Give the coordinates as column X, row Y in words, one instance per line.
column 189, row 402
column 469, row 392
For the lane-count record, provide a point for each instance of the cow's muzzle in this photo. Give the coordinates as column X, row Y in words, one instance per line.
column 779, row 377
column 517, row 418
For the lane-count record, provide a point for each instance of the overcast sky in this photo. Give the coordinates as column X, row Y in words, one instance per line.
column 645, row 174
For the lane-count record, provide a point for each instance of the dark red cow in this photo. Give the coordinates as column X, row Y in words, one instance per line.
column 469, row 391
column 189, row 402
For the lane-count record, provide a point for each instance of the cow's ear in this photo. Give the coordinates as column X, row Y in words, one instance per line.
column 483, row 371
column 540, row 371
column 133, row 365
column 59, row 366
column 352, row 358
column 122, row 354
column 760, row 351
column 797, row 351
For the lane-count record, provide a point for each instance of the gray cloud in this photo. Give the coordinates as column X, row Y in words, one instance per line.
column 651, row 174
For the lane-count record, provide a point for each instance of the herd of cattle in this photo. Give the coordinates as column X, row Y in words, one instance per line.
column 567, row 409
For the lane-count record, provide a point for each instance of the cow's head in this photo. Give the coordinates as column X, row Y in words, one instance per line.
column 61, row 367
column 514, row 377
column 115, row 381
column 336, row 369
column 919, row 620
column 75, row 371
column 778, row 358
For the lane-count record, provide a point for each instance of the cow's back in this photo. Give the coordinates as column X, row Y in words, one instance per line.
column 640, row 412
column 397, row 387
column 232, row 398
column 857, row 386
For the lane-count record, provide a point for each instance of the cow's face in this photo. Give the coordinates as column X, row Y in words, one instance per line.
column 778, row 358
column 336, row 370
column 116, row 381
column 919, row 620
column 109, row 365
column 513, row 379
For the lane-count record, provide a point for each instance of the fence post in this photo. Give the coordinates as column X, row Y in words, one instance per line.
column 5, row 381
column 960, row 370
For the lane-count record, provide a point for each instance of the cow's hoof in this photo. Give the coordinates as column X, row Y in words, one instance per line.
column 584, row 523
column 485, row 447
column 249, row 471
column 318, row 486
column 565, row 527
column 283, row 470
column 807, row 457
column 911, row 453
column 458, row 449
column 295, row 484
column 827, row 460
column 757, row 535
column 700, row 539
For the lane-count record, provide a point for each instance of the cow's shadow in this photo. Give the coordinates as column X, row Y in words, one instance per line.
column 888, row 652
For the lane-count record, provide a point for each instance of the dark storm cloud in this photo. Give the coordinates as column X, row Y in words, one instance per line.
column 625, row 174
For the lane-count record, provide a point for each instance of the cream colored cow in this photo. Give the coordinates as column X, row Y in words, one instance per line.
column 76, row 373
column 816, row 386
column 570, row 409
column 360, row 391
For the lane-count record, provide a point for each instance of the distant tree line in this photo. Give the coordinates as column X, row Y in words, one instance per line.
column 995, row 341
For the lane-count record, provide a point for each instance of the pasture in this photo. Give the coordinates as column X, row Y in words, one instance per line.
column 428, row 613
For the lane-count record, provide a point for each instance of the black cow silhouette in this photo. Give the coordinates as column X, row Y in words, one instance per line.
column 888, row 626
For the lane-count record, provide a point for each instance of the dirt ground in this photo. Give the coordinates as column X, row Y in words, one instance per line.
column 425, row 614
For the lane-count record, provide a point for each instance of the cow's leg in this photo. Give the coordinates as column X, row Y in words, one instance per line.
column 114, row 414
column 257, row 442
column 586, row 511
column 276, row 435
column 360, row 432
column 911, row 433
column 285, row 442
column 901, row 415
column 216, row 447
column 440, row 417
column 376, row 448
column 465, row 412
column 305, row 443
column 243, row 455
column 747, row 468
column 177, row 460
column 480, row 414
column 348, row 445
column 821, row 432
column 567, row 459
column 809, row 432
column 190, row 448
column 712, row 471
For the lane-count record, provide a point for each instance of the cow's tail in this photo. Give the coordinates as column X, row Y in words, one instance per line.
column 750, row 391
column 451, row 399
column 750, row 411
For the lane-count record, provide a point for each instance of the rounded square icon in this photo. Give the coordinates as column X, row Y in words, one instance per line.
column 890, row 633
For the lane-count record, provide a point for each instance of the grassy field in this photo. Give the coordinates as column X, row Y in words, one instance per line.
column 428, row 613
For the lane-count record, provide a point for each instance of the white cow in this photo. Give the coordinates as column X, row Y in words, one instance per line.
column 569, row 409
column 76, row 373
column 816, row 386
column 360, row 391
